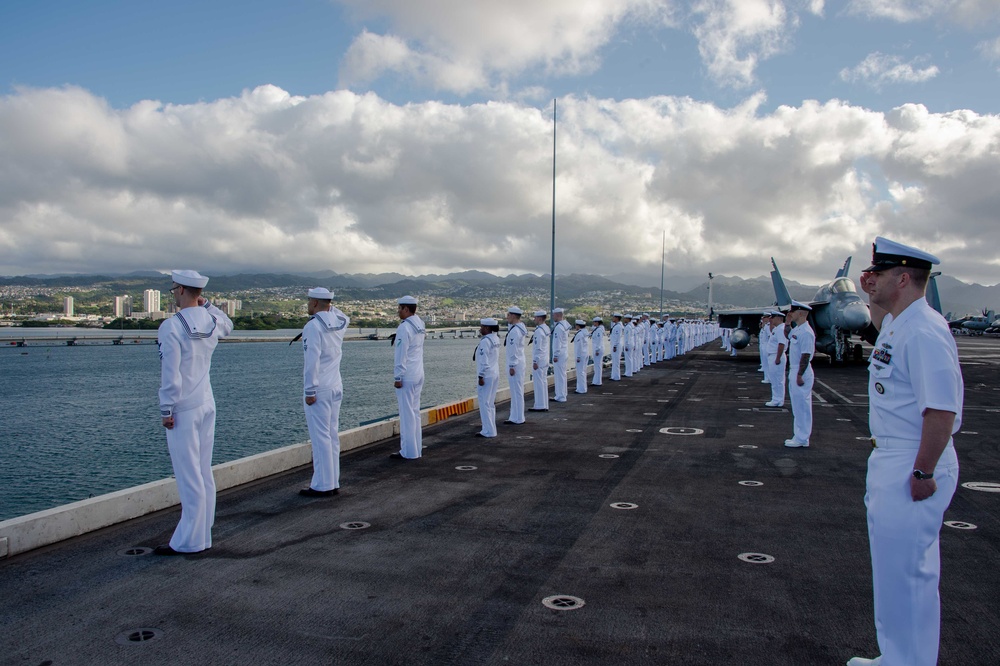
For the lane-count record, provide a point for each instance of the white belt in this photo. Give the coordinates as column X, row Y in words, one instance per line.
column 894, row 443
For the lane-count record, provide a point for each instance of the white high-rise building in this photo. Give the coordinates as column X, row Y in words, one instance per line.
column 68, row 306
column 151, row 300
column 123, row 306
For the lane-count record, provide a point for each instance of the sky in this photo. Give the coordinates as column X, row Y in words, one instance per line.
column 416, row 136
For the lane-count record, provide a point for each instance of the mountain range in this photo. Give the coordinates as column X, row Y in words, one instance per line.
column 957, row 297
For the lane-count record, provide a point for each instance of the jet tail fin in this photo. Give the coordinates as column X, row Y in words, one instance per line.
column 933, row 297
column 781, row 296
column 845, row 269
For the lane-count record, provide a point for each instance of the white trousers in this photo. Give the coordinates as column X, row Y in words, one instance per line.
column 776, row 373
column 598, row 378
column 190, row 443
column 487, row 394
column 636, row 359
column 906, row 558
column 541, row 385
column 616, row 365
column 559, row 370
column 628, row 362
column 323, row 419
column 410, row 432
column 516, row 384
column 802, row 403
column 763, row 358
column 581, row 375
column 645, row 353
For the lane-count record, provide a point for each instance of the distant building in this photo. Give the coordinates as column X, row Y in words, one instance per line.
column 68, row 306
column 123, row 306
column 151, row 300
column 229, row 306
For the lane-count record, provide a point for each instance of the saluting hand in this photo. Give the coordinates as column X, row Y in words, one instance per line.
column 921, row 489
column 202, row 300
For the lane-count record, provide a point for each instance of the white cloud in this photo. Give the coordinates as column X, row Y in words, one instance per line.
column 990, row 49
column 879, row 69
column 268, row 182
column 968, row 13
column 468, row 45
column 735, row 35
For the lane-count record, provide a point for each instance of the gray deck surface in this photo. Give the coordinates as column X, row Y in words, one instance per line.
column 455, row 564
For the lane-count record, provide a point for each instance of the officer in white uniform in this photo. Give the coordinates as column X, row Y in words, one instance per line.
column 617, row 339
column 582, row 353
column 487, row 357
column 597, row 347
column 513, row 344
column 916, row 394
column 777, row 343
column 323, row 390
column 408, row 378
column 801, row 348
column 628, row 337
column 560, row 352
column 540, row 362
column 765, row 332
column 644, row 350
column 187, row 407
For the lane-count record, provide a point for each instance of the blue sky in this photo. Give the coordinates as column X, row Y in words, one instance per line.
column 902, row 90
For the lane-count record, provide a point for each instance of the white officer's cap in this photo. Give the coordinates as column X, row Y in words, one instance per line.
column 889, row 254
column 515, row 310
column 321, row 293
column 407, row 300
column 189, row 279
column 489, row 321
column 800, row 306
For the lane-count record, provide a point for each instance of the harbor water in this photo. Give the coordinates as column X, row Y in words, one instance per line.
column 80, row 421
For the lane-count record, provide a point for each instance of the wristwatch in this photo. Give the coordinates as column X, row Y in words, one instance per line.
column 917, row 474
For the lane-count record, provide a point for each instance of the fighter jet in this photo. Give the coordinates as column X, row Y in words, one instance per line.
column 838, row 312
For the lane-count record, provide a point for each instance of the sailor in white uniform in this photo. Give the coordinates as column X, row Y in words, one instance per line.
column 560, row 353
column 617, row 340
column 916, row 394
column 323, row 390
column 487, row 357
column 637, row 338
column 628, row 339
column 660, row 340
column 644, row 349
column 777, row 343
column 408, row 378
column 801, row 348
column 765, row 332
column 540, row 362
column 597, row 350
column 582, row 354
column 513, row 344
column 187, row 407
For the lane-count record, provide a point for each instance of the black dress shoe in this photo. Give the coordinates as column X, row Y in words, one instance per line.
column 312, row 492
column 509, row 422
column 479, row 434
column 397, row 456
column 538, row 410
column 165, row 549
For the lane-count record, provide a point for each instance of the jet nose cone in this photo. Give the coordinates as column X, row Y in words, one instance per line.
column 854, row 317
column 739, row 338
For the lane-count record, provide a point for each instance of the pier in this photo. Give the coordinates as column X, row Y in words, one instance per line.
column 656, row 520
